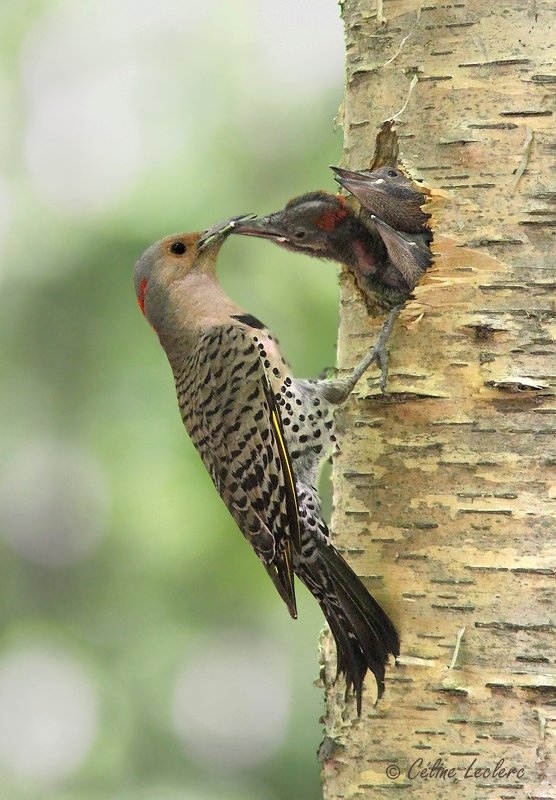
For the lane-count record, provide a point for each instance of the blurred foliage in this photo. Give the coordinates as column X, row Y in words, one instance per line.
column 80, row 365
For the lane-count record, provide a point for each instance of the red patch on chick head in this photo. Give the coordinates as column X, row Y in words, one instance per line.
column 141, row 297
column 331, row 217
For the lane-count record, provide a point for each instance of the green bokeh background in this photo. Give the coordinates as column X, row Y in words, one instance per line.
column 233, row 104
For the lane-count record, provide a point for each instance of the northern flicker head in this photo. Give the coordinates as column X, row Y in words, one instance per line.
column 163, row 264
column 318, row 224
column 170, row 273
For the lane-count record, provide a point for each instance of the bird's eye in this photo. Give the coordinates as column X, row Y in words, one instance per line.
column 178, row 248
column 392, row 173
column 299, row 234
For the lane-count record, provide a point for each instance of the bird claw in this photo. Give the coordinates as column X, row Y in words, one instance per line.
column 379, row 353
column 379, row 356
column 382, row 362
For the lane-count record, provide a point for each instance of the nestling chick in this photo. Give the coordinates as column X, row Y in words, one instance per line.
column 389, row 195
column 323, row 225
column 384, row 264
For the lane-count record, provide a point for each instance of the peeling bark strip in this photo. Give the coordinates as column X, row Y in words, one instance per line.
column 445, row 489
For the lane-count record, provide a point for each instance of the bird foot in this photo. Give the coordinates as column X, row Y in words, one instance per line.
column 379, row 353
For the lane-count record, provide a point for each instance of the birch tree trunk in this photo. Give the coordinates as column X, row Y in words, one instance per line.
column 445, row 489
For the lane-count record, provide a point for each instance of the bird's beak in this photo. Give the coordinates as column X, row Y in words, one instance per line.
column 261, row 227
column 345, row 176
column 346, row 173
column 221, row 231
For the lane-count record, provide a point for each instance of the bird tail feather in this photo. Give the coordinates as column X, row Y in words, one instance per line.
column 363, row 632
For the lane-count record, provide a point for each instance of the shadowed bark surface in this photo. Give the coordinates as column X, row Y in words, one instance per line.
column 445, row 488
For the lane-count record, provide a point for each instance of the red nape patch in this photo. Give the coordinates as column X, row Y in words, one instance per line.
column 141, row 298
column 332, row 216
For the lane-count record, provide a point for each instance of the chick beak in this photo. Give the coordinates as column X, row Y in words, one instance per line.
column 260, row 227
column 349, row 175
column 347, row 178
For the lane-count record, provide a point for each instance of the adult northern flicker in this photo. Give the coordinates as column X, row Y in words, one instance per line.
column 262, row 435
